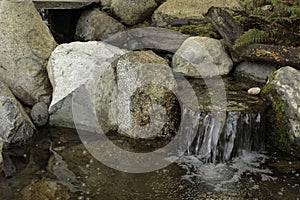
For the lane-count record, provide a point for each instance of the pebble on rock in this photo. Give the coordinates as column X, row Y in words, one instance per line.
column 254, row 91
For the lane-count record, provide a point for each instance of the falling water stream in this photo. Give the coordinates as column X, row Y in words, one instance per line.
column 222, row 162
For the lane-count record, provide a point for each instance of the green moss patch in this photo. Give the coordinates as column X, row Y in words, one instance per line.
column 204, row 30
column 278, row 134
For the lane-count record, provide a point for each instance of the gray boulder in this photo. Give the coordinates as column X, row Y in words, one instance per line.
column 1, row 158
column 188, row 11
column 39, row 114
column 15, row 125
column 202, row 57
column 256, row 71
column 133, row 11
column 283, row 90
column 72, row 66
column 131, row 93
column 146, row 104
column 26, row 44
column 96, row 25
column 106, row 3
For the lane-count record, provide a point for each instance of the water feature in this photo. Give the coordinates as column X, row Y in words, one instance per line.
column 222, row 163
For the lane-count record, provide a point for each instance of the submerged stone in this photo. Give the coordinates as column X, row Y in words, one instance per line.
column 44, row 190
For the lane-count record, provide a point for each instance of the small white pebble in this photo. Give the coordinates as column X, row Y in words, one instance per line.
column 254, row 91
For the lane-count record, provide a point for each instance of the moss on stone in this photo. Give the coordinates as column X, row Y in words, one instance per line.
column 267, row 89
column 204, row 30
column 278, row 134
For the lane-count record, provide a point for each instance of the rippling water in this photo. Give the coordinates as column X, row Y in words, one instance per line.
column 69, row 165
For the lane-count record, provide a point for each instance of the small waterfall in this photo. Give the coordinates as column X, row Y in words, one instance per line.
column 242, row 133
column 217, row 138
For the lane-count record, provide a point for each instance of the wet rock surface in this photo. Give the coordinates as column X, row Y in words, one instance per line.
column 256, row 71
column 26, row 44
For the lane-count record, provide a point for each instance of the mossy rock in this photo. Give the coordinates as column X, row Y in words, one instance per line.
column 204, row 30
column 278, row 134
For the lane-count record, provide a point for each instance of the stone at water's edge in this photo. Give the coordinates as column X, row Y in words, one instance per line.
column 133, row 11
column 283, row 89
column 39, row 114
column 202, row 57
column 256, row 71
column 185, row 12
column 26, row 44
column 133, row 91
column 96, row 25
column 15, row 125
column 146, row 103
column 74, row 65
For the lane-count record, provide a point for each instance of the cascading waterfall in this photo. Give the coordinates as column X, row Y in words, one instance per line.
column 239, row 131
column 242, row 133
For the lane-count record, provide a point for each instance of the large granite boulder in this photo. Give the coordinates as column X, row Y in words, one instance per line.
column 96, row 25
column 133, row 11
column 72, row 66
column 26, row 44
column 283, row 90
column 256, row 71
column 15, row 125
column 146, row 101
column 129, row 92
column 188, row 11
column 202, row 57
